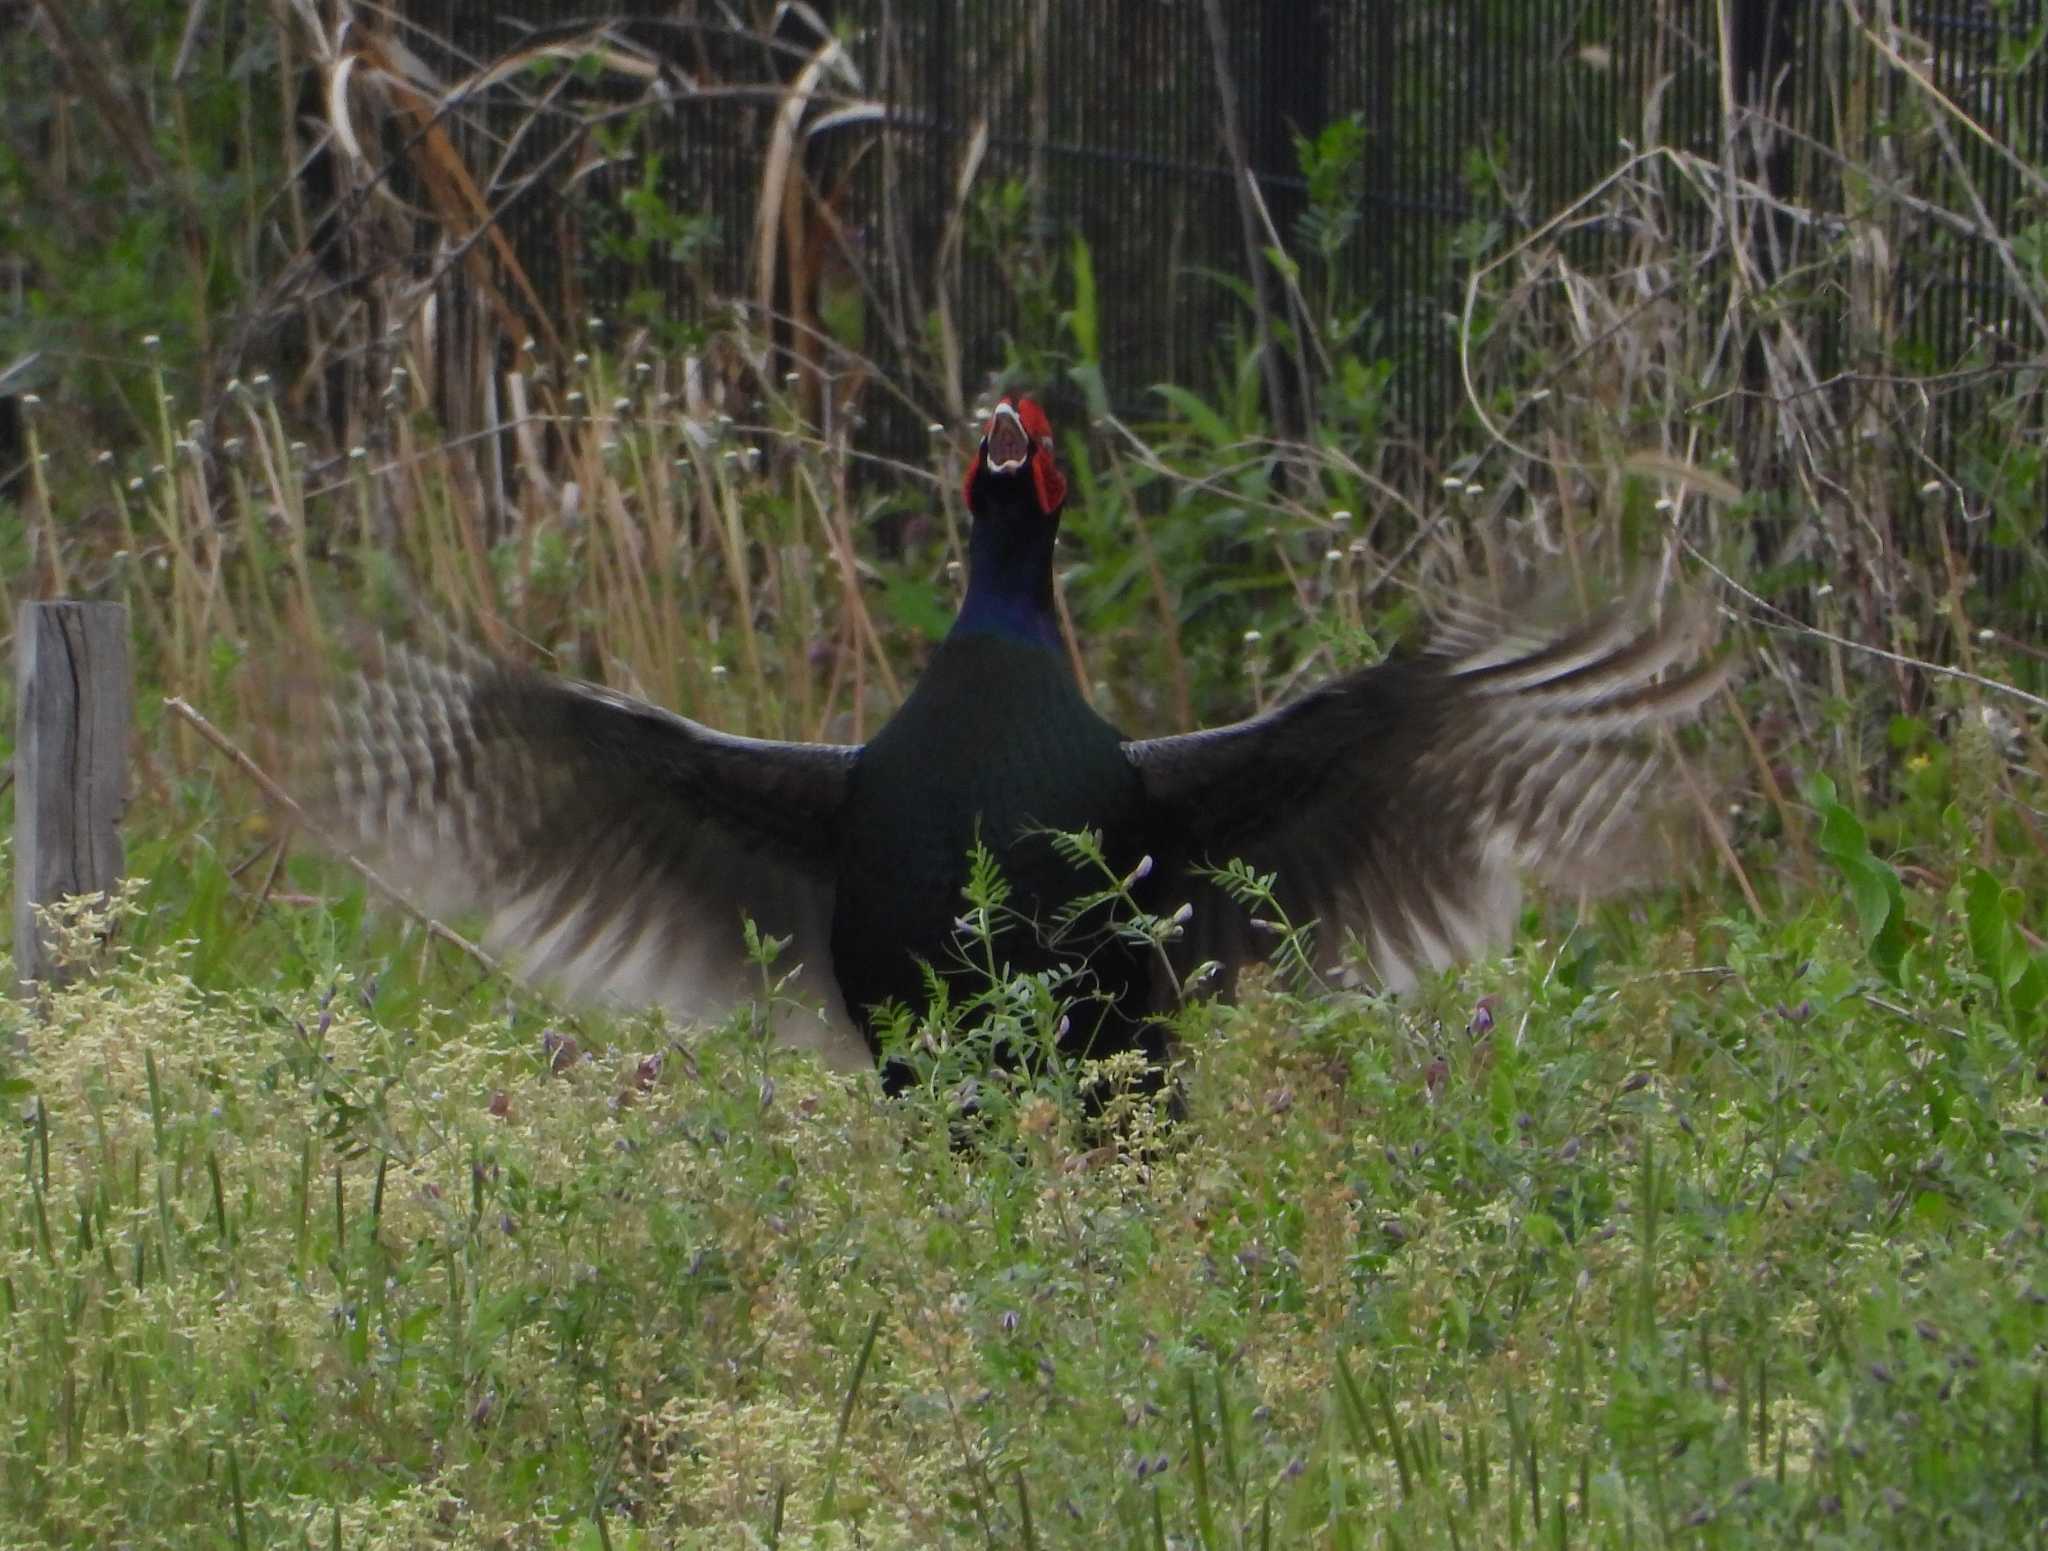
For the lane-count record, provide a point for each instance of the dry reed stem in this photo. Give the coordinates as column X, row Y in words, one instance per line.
column 1789, row 624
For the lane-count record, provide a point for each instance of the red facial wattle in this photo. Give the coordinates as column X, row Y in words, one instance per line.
column 1018, row 435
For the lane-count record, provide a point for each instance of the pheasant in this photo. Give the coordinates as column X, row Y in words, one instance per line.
column 617, row 847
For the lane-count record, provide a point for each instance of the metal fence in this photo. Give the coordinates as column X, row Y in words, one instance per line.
column 958, row 147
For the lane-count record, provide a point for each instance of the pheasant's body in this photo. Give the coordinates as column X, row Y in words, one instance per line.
column 618, row 846
column 995, row 744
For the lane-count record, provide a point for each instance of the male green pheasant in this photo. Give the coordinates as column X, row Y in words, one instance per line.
column 617, row 846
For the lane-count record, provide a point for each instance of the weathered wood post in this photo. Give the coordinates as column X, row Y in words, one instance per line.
column 70, row 764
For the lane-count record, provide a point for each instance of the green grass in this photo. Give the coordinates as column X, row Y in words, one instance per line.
column 1695, row 1223
column 1660, row 1233
column 1683, row 1227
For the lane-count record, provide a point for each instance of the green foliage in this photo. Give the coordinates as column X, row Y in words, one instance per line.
column 651, row 231
column 1994, row 909
column 115, row 237
column 1690, row 1224
column 1722, row 1246
column 1004, row 233
column 1874, row 891
column 1332, row 161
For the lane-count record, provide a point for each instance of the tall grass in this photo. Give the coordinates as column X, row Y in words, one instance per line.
column 1693, row 1222
column 1659, row 376
column 1741, row 1251
column 1714, row 355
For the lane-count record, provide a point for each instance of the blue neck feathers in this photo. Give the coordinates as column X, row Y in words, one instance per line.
column 1009, row 571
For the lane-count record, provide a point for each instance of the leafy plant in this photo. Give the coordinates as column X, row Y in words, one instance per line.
column 1874, row 891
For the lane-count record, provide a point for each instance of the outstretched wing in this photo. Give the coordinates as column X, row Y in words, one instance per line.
column 615, row 846
column 1399, row 805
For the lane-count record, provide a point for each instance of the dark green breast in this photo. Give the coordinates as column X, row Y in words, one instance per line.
column 994, row 739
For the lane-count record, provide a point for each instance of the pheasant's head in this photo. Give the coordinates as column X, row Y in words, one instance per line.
column 1016, row 455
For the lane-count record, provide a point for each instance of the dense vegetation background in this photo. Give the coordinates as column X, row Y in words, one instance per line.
column 1712, row 1215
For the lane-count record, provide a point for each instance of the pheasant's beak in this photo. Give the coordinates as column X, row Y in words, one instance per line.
column 1006, row 444
column 1015, row 440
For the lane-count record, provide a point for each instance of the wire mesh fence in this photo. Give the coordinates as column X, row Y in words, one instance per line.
column 902, row 182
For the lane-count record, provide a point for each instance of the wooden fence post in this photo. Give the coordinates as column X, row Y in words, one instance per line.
column 70, row 764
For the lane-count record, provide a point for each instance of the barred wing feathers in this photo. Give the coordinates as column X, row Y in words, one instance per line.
column 614, row 846
column 1401, row 804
